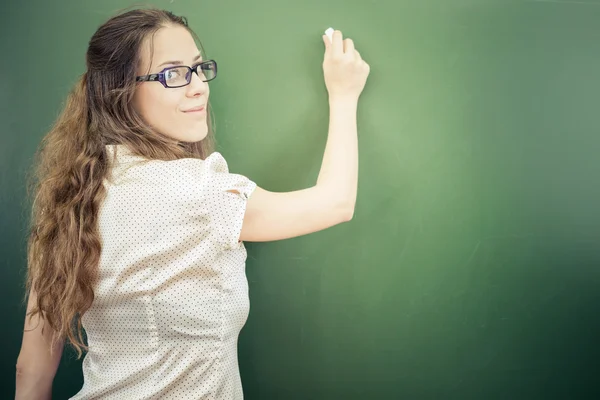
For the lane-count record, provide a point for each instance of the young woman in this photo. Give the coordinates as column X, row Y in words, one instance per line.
column 137, row 225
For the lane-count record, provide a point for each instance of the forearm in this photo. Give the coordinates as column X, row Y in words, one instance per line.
column 338, row 176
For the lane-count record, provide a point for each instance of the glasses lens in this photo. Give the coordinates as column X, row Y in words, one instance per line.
column 176, row 76
column 209, row 70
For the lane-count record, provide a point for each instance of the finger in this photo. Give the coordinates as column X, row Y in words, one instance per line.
column 327, row 42
column 337, row 43
column 357, row 54
column 348, row 46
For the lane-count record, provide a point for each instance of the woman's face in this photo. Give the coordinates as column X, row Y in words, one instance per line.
column 180, row 113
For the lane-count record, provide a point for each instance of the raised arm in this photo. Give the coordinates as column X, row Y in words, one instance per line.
column 36, row 365
column 273, row 216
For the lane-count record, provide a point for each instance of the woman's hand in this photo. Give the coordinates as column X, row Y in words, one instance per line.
column 344, row 69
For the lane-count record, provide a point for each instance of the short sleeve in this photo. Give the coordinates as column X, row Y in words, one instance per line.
column 226, row 196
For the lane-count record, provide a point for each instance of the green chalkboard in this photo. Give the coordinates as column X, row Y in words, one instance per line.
column 471, row 269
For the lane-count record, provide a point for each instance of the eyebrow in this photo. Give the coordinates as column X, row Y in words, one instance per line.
column 198, row 57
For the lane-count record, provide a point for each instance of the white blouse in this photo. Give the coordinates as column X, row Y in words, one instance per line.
column 172, row 294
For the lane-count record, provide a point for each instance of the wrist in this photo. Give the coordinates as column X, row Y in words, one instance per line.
column 343, row 102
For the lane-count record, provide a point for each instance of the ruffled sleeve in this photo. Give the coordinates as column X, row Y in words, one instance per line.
column 226, row 196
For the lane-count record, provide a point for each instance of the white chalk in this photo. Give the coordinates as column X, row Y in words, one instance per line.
column 329, row 33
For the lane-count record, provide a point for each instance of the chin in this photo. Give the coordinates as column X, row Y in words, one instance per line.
column 195, row 137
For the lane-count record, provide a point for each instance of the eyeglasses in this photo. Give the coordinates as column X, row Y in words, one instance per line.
column 174, row 77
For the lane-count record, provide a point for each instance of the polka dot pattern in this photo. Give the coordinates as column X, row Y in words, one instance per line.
column 172, row 294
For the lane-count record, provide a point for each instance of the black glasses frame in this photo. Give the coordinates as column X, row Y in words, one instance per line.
column 160, row 77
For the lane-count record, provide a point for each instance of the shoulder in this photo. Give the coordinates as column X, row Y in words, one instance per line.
column 126, row 166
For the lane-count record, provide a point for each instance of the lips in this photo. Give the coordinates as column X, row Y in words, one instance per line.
column 195, row 109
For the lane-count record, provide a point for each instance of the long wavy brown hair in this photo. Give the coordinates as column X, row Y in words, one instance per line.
column 72, row 163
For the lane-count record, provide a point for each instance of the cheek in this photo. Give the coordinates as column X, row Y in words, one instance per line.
column 155, row 105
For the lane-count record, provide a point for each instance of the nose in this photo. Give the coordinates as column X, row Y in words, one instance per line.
column 197, row 86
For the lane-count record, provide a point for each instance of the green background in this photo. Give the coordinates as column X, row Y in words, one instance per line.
column 472, row 267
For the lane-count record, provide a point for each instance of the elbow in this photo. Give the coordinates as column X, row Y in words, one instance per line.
column 346, row 218
column 26, row 371
column 32, row 383
column 23, row 366
column 33, row 380
column 349, row 215
column 346, row 211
